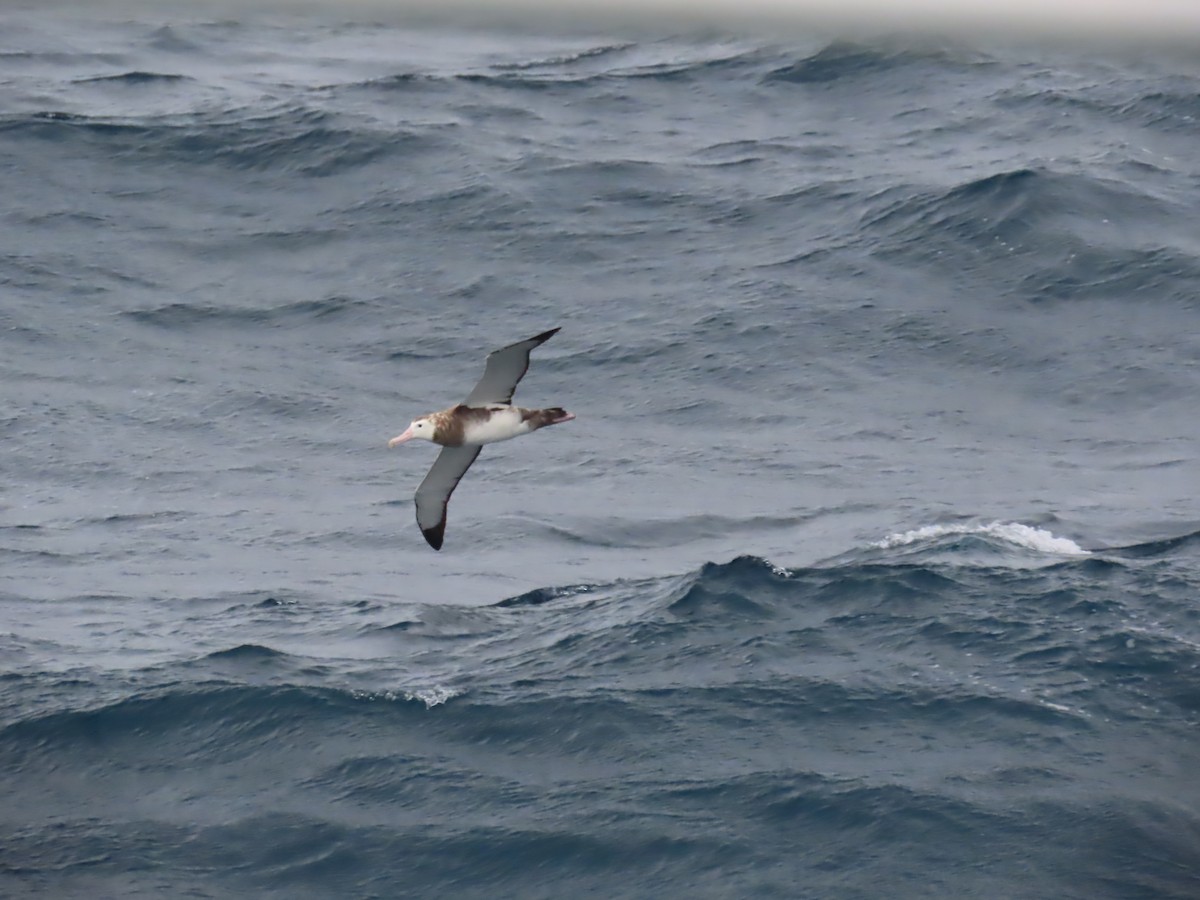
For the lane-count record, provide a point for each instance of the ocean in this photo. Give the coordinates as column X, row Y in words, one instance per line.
column 869, row 568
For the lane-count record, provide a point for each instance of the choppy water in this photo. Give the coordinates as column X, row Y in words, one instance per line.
column 869, row 568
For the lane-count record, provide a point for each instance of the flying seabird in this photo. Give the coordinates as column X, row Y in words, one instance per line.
column 486, row 416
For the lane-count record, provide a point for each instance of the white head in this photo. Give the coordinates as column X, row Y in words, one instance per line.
column 422, row 428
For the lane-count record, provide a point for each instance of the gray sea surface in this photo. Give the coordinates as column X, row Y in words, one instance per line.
column 869, row 567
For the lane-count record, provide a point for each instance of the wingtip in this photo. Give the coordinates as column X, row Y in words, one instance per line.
column 435, row 535
column 546, row 335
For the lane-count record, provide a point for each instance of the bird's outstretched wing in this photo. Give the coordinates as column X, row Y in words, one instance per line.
column 505, row 367
column 434, row 493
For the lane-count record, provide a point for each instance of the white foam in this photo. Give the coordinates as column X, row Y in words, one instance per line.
column 431, row 696
column 1026, row 536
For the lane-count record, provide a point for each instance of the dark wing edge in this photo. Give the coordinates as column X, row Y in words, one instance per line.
column 433, row 496
column 504, row 370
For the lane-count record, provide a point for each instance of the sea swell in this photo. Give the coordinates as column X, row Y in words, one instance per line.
column 868, row 566
column 652, row 732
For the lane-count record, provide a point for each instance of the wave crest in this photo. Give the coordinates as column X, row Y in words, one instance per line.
column 1026, row 537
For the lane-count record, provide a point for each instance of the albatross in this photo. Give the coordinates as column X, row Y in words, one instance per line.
column 485, row 417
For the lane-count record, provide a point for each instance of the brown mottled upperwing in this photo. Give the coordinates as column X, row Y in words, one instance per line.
column 505, row 367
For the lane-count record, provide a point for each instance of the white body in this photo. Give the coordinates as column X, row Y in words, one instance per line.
column 505, row 423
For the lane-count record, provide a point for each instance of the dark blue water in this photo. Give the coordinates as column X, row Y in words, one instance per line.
column 870, row 567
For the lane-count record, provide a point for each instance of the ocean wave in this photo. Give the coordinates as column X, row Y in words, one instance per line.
column 397, row 81
column 1175, row 110
column 136, row 77
column 1163, row 547
column 722, row 672
column 246, row 652
column 540, row 596
column 587, row 54
column 171, row 40
column 188, row 316
column 431, row 696
column 190, row 718
column 603, row 67
column 674, row 532
column 290, row 139
column 1050, row 220
column 845, row 60
column 1164, row 107
column 664, row 61
column 1026, row 537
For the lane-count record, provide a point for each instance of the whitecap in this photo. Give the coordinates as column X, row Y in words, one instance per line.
column 1015, row 533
